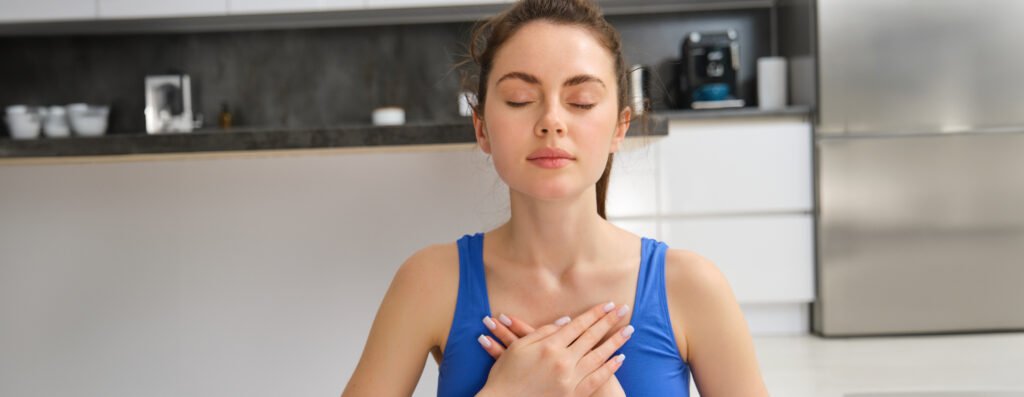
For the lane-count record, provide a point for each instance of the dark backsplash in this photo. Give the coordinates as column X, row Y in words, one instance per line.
column 315, row 77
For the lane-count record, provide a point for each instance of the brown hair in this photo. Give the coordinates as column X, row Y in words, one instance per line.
column 490, row 34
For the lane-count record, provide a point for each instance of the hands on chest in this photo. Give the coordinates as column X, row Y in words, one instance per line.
column 571, row 357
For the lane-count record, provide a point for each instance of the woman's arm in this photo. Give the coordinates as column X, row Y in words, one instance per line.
column 421, row 297
column 719, row 347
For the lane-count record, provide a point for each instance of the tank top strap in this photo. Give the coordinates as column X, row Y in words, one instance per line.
column 472, row 298
column 464, row 367
column 650, row 301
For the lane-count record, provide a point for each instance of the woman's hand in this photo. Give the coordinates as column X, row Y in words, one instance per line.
column 510, row 328
column 559, row 359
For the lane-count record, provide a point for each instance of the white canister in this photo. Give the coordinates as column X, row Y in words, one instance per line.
column 639, row 89
column 771, row 83
column 466, row 101
column 388, row 116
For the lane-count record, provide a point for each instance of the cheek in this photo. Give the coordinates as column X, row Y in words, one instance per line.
column 595, row 133
column 506, row 143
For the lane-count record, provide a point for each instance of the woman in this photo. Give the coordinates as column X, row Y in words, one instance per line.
column 551, row 112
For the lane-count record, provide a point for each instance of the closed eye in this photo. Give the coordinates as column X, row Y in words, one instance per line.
column 584, row 106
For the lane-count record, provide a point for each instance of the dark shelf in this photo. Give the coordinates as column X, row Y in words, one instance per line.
column 254, row 139
column 355, row 136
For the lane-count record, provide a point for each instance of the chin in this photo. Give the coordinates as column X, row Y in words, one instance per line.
column 555, row 189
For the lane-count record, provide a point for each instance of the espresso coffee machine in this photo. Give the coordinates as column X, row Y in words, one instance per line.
column 708, row 76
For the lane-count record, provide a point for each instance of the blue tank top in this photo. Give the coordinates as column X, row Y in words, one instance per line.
column 653, row 365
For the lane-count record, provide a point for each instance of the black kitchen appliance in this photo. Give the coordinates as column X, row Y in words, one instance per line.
column 708, row 76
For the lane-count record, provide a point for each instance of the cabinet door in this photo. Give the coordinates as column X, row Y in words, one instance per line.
column 160, row 8
column 767, row 259
column 731, row 166
column 428, row 3
column 268, row 6
column 46, row 10
column 633, row 186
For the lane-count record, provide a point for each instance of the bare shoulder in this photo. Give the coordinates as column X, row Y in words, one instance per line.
column 434, row 263
column 408, row 324
column 708, row 321
column 428, row 281
column 689, row 274
column 693, row 285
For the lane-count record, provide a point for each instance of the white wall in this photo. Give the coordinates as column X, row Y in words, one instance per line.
column 255, row 276
column 243, row 276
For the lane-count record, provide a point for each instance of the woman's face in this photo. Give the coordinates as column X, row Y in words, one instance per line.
column 551, row 86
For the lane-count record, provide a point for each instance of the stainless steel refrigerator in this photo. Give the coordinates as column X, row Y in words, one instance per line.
column 920, row 148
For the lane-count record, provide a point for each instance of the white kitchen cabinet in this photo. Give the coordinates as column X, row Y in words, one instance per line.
column 736, row 166
column 429, row 3
column 160, row 8
column 633, row 187
column 272, row 6
column 766, row 258
column 46, row 10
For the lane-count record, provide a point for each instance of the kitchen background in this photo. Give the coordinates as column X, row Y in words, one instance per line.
column 318, row 76
column 868, row 227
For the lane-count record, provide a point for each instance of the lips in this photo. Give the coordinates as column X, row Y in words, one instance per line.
column 550, row 153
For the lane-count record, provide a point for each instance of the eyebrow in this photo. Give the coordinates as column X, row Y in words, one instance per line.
column 529, row 78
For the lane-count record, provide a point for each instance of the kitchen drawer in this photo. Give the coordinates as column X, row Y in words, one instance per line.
column 733, row 166
column 767, row 259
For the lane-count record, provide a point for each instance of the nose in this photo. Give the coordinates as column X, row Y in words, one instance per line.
column 550, row 121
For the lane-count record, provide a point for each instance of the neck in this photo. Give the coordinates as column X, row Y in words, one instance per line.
column 554, row 236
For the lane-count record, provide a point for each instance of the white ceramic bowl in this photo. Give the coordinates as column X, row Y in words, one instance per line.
column 24, row 125
column 17, row 109
column 88, row 120
column 55, row 123
column 56, row 130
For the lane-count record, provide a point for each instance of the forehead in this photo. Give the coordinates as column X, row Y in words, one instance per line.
column 553, row 52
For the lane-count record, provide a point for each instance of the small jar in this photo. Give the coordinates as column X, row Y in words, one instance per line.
column 225, row 120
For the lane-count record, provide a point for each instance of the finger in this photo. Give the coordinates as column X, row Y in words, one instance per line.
column 595, row 358
column 575, row 328
column 593, row 335
column 518, row 327
column 543, row 332
column 492, row 347
column 500, row 330
column 590, row 383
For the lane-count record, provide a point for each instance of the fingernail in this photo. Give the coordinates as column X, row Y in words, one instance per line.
column 562, row 321
column 623, row 310
column 505, row 320
column 628, row 331
column 620, row 358
column 484, row 341
column 489, row 323
column 608, row 307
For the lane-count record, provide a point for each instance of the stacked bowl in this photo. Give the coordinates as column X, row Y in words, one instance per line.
column 26, row 122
